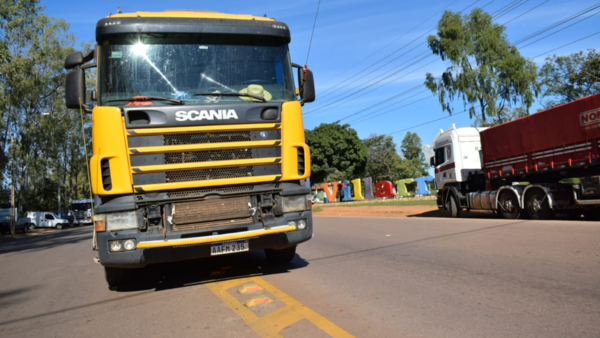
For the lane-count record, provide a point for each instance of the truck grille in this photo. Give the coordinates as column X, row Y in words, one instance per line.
column 198, row 154
column 212, row 213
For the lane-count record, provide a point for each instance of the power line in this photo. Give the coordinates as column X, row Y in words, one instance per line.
column 449, row 116
column 384, row 47
column 570, row 43
column 511, row 7
column 315, row 109
column 556, row 24
column 428, row 122
column 332, row 105
column 562, row 29
column 373, row 79
column 359, row 120
column 353, row 96
column 324, row 94
column 518, row 16
column 382, row 102
column 313, row 32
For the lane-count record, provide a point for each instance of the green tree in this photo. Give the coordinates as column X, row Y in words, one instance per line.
column 384, row 162
column 414, row 164
column 336, row 152
column 48, row 149
column 570, row 77
column 486, row 71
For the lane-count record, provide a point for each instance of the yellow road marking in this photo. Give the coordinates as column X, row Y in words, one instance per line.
column 271, row 324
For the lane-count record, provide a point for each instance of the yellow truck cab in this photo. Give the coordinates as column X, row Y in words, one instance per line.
column 198, row 138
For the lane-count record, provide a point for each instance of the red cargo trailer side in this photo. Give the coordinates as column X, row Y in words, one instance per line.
column 563, row 137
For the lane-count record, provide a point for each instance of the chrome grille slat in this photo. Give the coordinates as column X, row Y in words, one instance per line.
column 154, row 160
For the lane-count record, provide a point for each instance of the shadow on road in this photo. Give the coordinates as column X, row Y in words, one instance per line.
column 46, row 240
column 489, row 215
column 208, row 270
column 13, row 296
column 446, row 214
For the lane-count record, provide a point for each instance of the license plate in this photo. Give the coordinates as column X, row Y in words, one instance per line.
column 229, row 247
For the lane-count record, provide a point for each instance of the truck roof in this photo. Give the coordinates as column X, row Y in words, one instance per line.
column 82, row 201
column 199, row 14
column 190, row 22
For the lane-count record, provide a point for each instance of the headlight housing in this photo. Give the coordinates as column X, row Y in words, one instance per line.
column 121, row 221
column 294, row 203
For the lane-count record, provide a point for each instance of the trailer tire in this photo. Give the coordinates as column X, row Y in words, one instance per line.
column 536, row 203
column 116, row 277
column 454, row 207
column 508, row 205
column 281, row 256
column 31, row 226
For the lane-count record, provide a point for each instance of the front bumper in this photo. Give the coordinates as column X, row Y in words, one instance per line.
column 154, row 249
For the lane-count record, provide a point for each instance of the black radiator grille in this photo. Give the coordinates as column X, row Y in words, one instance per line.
column 208, row 155
column 202, row 138
column 204, row 156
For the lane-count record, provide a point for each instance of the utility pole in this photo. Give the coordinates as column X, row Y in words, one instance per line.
column 59, row 206
column 12, row 183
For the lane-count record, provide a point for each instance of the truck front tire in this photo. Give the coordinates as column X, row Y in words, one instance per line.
column 116, row 277
column 454, row 207
column 281, row 256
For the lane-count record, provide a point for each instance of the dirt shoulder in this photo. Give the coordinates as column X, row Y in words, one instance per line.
column 380, row 211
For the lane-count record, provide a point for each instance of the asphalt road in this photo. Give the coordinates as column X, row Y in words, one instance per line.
column 362, row 277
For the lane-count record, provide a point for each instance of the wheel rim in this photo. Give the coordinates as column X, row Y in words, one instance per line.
column 509, row 206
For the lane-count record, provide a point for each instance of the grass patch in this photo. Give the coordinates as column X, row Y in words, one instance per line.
column 398, row 203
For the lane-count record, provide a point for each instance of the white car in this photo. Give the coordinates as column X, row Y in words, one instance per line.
column 41, row 219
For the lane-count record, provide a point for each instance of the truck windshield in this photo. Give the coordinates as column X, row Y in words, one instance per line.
column 81, row 206
column 179, row 66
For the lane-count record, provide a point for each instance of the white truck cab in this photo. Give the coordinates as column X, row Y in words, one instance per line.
column 455, row 154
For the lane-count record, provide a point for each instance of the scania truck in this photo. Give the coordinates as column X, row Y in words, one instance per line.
column 81, row 211
column 541, row 165
column 198, row 138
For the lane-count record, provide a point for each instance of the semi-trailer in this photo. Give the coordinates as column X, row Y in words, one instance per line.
column 537, row 166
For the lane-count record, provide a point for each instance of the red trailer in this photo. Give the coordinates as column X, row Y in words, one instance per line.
column 560, row 138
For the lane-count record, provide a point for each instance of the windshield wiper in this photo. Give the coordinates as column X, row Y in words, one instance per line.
column 149, row 98
column 233, row 94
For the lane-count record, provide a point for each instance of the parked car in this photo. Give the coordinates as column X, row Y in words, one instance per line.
column 21, row 223
column 44, row 219
column 68, row 217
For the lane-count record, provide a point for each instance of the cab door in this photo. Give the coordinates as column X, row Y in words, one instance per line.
column 48, row 220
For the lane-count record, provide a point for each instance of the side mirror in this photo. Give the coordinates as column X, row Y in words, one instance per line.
column 75, row 88
column 306, row 84
column 308, row 90
column 432, row 161
column 73, row 60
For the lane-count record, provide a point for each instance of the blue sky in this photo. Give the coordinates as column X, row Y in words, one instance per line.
column 352, row 35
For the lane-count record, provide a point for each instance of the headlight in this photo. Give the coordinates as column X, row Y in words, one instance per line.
column 301, row 224
column 294, row 203
column 122, row 245
column 121, row 221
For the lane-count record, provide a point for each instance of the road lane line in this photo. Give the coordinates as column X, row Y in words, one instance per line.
column 271, row 324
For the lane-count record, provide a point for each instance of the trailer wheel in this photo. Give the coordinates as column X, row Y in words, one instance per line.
column 31, row 226
column 281, row 256
column 537, row 205
column 116, row 277
column 508, row 205
column 454, row 207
